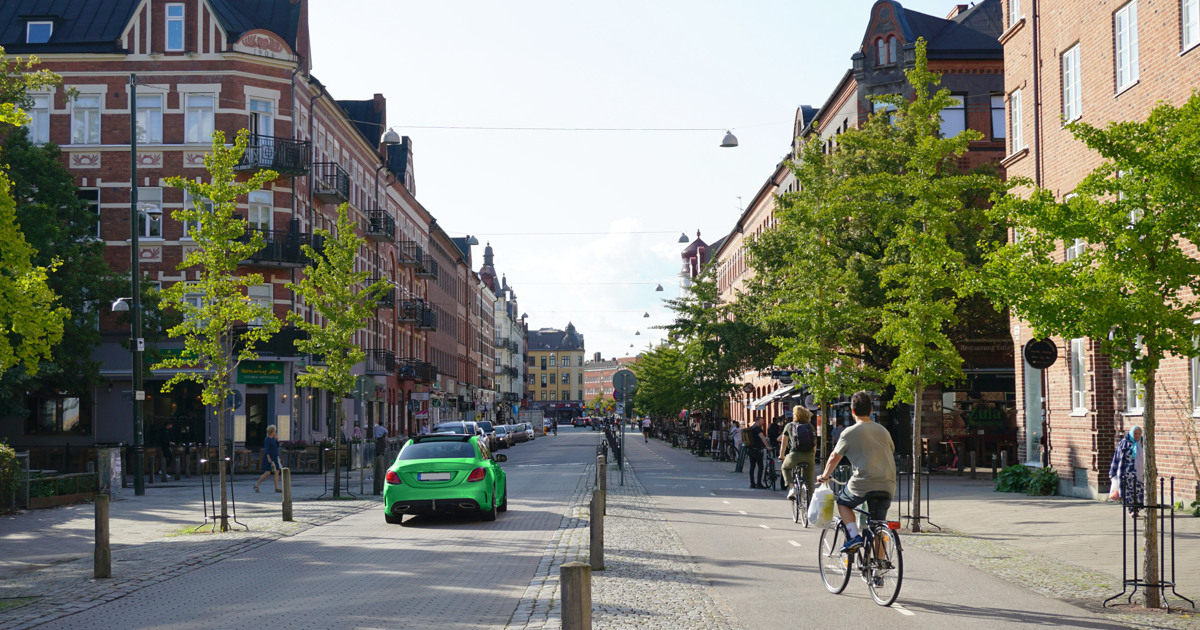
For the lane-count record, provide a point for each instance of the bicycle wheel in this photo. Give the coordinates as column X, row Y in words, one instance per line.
column 834, row 565
column 886, row 564
column 802, row 503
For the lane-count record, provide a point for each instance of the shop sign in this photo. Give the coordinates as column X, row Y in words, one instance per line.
column 260, row 373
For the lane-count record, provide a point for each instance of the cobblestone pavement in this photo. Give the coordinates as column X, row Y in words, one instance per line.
column 68, row 588
column 649, row 580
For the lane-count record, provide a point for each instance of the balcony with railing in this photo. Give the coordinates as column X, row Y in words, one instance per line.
column 411, row 254
column 281, row 248
column 381, row 226
column 381, row 362
column 331, row 183
column 414, row 370
column 428, row 268
column 281, row 344
column 283, row 155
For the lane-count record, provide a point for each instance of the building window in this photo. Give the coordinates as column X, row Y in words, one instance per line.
column 85, row 119
column 91, row 196
column 259, row 212
column 150, row 212
column 1014, row 11
column 954, row 117
column 1015, row 114
column 1126, row 43
column 149, row 118
column 998, row 117
column 1078, row 401
column 1189, row 22
column 1071, row 94
column 59, row 414
column 198, row 118
column 190, row 202
column 39, row 119
column 38, row 32
column 174, row 27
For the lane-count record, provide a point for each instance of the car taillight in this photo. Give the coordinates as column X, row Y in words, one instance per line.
column 392, row 478
column 477, row 475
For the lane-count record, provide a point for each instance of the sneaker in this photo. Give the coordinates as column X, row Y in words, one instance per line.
column 792, row 492
column 852, row 544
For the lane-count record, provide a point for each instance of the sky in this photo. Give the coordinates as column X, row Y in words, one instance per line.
column 582, row 139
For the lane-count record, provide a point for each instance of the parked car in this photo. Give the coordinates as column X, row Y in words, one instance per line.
column 527, row 428
column 445, row 473
column 502, row 436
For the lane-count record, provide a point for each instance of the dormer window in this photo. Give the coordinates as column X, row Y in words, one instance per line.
column 175, row 27
column 38, row 32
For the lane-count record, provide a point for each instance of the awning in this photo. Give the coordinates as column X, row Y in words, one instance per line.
column 762, row 403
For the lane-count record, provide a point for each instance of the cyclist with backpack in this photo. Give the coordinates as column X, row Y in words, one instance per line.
column 796, row 448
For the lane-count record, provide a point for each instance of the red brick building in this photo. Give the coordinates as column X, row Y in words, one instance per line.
column 1097, row 62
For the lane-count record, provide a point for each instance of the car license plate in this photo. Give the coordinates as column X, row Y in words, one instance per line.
column 434, row 476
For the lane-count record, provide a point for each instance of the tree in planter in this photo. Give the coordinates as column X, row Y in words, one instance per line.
column 209, row 341
column 1130, row 283
column 333, row 290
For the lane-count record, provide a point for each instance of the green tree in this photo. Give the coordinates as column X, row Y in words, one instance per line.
column 207, row 329
column 59, row 226
column 31, row 321
column 1132, row 287
column 334, row 291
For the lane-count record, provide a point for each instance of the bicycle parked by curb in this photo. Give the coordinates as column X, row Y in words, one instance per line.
column 880, row 560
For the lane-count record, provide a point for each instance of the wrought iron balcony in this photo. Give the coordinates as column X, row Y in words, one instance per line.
column 283, row 155
column 331, row 183
column 428, row 268
column 381, row 226
column 281, row 344
column 282, row 248
column 414, row 370
column 380, row 362
column 411, row 254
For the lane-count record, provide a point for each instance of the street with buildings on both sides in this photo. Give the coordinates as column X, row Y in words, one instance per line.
column 687, row 545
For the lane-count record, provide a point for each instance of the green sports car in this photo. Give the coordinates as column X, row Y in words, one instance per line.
column 445, row 473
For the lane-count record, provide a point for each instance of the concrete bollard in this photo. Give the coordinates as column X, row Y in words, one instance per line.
column 575, row 580
column 972, row 464
column 103, row 555
column 596, row 550
column 287, row 494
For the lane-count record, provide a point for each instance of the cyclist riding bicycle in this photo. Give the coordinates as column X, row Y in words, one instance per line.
column 796, row 448
column 871, row 451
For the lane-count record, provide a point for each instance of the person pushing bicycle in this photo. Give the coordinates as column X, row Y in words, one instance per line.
column 872, row 457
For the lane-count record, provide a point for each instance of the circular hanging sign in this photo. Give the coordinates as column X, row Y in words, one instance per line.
column 1040, row 353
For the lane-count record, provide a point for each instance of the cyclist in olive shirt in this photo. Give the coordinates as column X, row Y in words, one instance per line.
column 871, row 452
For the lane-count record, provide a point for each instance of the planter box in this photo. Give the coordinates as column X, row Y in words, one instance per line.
column 37, row 503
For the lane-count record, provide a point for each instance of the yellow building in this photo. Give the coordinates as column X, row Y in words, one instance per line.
column 555, row 372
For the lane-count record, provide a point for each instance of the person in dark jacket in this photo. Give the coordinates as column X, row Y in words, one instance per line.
column 270, row 459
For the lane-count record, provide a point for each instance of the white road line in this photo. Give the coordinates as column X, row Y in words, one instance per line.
column 741, row 511
column 763, row 526
column 903, row 611
column 793, row 543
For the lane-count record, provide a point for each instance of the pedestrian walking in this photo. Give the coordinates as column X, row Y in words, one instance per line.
column 270, row 459
column 1127, row 473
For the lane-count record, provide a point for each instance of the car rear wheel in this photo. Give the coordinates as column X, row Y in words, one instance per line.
column 490, row 513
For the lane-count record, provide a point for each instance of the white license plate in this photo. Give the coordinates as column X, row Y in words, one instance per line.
column 434, row 476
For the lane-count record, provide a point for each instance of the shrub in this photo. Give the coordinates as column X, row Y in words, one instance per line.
column 1043, row 482
column 1014, row 478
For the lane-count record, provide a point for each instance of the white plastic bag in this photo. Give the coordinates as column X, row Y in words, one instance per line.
column 820, row 510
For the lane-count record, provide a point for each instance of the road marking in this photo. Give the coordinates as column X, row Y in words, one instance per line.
column 763, row 526
column 741, row 511
column 903, row 611
column 793, row 543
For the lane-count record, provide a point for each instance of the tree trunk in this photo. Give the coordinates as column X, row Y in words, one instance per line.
column 1150, row 557
column 337, row 451
column 916, row 460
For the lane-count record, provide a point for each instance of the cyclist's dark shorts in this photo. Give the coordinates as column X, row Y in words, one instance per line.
column 878, row 502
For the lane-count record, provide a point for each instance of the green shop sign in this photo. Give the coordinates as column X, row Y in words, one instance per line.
column 260, row 373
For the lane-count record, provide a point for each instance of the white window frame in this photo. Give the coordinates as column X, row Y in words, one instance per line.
column 149, row 118
column 954, row 118
column 1016, row 114
column 1125, row 46
column 29, row 31
column 39, row 118
column 174, row 22
column 198, row 119
column 1072, row 95
column 1078, row 375
column 85, row 121
column 1189, row 23
column 150, row 213
column 1135, row 393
